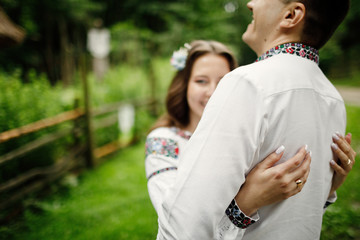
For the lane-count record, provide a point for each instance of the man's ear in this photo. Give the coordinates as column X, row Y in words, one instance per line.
column 293, row 16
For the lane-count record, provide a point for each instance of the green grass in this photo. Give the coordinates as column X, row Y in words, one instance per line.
column 110, row 202
column 342, row 219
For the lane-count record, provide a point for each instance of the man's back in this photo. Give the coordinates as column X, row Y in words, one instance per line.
column 283, row 100
column 301, row 106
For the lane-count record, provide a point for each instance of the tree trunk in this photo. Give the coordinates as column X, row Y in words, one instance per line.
column 66, row 60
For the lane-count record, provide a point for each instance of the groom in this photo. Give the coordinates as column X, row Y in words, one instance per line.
column 282, row 98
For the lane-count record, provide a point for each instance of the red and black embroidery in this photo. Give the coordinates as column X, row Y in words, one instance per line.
column 237, row 217
column 297, row 49
column 161, row 171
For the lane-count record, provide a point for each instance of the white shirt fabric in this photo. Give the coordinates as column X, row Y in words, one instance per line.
column 164, row 147
column 283, row 100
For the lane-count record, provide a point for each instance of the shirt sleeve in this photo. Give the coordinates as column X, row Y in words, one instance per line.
column 161, row 167
column 222, row 150
column 331, row 199
column 234, row 223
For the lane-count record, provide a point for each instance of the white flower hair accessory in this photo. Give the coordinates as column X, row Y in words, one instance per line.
column 178, row 59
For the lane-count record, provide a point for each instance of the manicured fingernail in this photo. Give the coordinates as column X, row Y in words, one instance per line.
column 334, row 146
column 338, row 134
column 280, row 149
column 306, row 148
column 310, row 153
column 335, row 137
column 349, row 134
column 332, row 162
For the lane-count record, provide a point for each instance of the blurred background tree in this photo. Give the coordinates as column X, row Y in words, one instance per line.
column 141, row 30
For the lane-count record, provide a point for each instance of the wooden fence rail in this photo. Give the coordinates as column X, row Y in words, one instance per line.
column 37, row 178
column 34, row 145
column 41, row 124
column 49, row 174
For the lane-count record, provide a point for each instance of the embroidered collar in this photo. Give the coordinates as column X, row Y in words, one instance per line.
column 181, row 133
column 298, row 49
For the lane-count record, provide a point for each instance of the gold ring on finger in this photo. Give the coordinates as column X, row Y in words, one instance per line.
column 348, row 161
column 298, row 182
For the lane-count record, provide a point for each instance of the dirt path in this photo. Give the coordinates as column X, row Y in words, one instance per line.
column 350, row 95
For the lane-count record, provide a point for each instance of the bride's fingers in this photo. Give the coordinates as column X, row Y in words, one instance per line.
column 298, row 177
column 302, row 172
column 344, row 145
column 344, row 152
column 295, row 162
column 344, row 159
column 348, row 138
column 339, row 170
column 273, row 158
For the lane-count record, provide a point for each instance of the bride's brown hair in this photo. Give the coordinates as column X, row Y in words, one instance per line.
column 177, row 107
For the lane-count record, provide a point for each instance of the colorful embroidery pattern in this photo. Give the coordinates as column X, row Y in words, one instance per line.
column 237, row 217
column 298, row 49
column 181, row 133
column 161, row 171
column 162, row 146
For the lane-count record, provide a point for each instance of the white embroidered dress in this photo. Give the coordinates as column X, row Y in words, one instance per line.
column 162, row 159
column 164, row 147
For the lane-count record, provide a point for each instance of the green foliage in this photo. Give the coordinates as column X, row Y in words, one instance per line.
column 144, row 29
column 350, row 82
column 54, row 30
column 127, row 43
column 110, row 202
column 21, row 104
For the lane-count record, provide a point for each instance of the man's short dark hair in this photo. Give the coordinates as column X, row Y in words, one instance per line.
column 322, row 17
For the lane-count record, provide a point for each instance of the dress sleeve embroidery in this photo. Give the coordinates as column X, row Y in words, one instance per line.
column 237, row 217
column 161, row 171
column 162, row 146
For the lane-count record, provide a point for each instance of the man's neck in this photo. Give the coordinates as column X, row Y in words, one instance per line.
column 277, row 42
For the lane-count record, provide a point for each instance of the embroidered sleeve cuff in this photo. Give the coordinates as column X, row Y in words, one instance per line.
column 161, row 171
column 238, row 218
column 330, row 200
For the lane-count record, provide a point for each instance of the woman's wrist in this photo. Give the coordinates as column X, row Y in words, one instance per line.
column 332, row 192
column 247, row 205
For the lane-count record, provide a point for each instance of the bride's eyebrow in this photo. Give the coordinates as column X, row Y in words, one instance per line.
column 202, row 76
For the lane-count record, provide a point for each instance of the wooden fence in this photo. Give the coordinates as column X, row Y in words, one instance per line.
column 81, row 154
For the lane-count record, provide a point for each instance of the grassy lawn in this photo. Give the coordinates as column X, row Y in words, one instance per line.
column 111, row 202
column 342, row 219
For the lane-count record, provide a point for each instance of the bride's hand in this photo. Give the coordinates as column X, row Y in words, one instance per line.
column 267, row 184
column 345, row 160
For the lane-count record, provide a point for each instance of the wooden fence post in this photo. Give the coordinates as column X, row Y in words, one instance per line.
column 89, row 152
column 149, row 68
column 77, row 131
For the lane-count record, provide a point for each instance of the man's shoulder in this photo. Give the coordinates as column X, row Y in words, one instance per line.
column 283, row 73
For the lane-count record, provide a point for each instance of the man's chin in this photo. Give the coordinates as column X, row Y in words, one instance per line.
column 246, row 38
